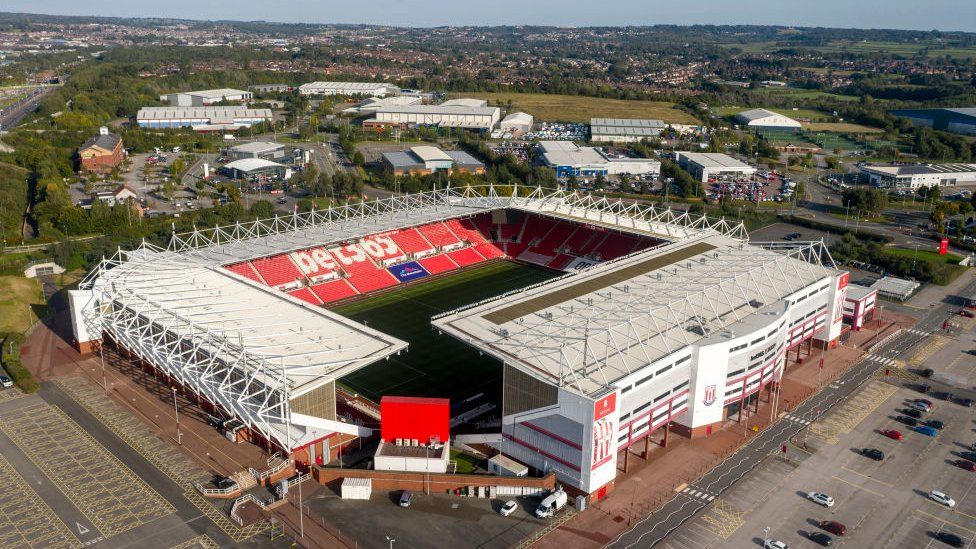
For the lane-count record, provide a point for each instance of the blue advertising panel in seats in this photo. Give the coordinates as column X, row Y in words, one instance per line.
column 405, row 272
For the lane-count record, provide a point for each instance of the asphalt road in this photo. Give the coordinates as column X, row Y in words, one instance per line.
column 655, row 527
column 13, row 114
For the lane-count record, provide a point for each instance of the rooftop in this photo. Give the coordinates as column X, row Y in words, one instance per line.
column 429, row 153
column 919, row 169
column 218, row 93
column 208, row 112
column 713, row 160
column 756, row 114
column 103, row 141
column 440, row 109
column 588, row 329
column 257, row 147
column 251, row 164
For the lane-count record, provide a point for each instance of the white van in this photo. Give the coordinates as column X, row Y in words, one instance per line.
column 552, row 503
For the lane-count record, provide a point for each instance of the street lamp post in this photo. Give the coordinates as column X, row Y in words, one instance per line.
column 176, row 409
column 101, row 356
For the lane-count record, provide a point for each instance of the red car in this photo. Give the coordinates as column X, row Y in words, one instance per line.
column 966, row 464
column 966, row 313
column 891, row 433
column 834, row 527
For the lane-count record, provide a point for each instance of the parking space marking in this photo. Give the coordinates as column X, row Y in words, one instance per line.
column 944, row 521
column 107, row 492
column 858, row 486
column 25, row 519
column 867, row 477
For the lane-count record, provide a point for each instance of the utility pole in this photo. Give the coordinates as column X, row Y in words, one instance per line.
column 176, row 409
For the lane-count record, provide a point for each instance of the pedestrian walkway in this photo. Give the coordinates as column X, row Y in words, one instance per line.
column 695, row 493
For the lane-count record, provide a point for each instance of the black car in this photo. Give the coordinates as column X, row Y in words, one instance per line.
column 967, row 402
column 935, row 424
column 949, row 539
column 971, row 456
column 924, row 388
column 926, row 372
column 873, row 453
column 911, row 412
column 947, row 396
column 821, row 538
column 910, row 421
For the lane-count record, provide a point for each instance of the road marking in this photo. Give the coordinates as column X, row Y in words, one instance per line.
column 858, row 486
column 867, row 477
column 81, row 529
column 940, row 519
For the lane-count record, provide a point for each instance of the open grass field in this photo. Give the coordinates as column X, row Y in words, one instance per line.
column 574, row 108
column 434, row 365
column 840, row 127
column 866, row 47
column 924, row 255
column 16, row 295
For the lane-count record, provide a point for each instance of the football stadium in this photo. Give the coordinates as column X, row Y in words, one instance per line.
column 563, row 327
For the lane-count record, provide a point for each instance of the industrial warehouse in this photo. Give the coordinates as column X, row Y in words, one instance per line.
column 470, row 114
column 206, row 97
column 710, row 318
column 914, row 176
column 706, row 167
column 624, row 130
column 202, row 119
column 569, row 159
column 349, row 88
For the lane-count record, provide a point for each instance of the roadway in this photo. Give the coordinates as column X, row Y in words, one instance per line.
column 13, row 114
column 658, row 525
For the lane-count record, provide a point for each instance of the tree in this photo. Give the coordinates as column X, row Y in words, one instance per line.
column 262, row 209
column 869, row 201
column 358, row 158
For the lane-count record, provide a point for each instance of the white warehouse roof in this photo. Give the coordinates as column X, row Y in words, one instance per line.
column 763, row 117
column 257, row 147
column 209, row 112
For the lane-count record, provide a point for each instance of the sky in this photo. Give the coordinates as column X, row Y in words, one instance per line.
column 943, row 15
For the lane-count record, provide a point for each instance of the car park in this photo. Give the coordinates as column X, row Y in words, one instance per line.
column 966, row 464
column 942, row 498
column 509, row 508
column 926, row 430
column 873, row 453
column 774, row 544
column 834, row 527
column 821, row 539
column 910, row 421
column 949, row 538
column 820, row 498
column 893, row 434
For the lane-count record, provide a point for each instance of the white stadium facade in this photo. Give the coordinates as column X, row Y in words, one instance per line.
column 671, row 336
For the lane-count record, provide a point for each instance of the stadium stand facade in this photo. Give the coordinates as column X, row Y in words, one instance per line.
column 659, row 316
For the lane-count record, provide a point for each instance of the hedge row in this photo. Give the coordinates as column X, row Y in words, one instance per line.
column 12, row 364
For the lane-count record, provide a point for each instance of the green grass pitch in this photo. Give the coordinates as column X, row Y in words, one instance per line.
column 434, row 365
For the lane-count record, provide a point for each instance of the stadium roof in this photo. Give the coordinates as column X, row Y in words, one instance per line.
column 251, row 164
column 586, row 330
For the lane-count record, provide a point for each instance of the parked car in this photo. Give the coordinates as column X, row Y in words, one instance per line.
column 774, row 544
column 912, row 413
column 920, row 406
column 873, row 453
column 949, row 538
column 509, row 508
column 821, row 539
column 924, row 388
column 834, row 527
column 405, row 498
column 893, row 434
column 935, row 424
column 966, row 313
column 971, row 456
column 926, row 372
column 967, row 402
column 924, row 401
column 822, row 499
column 910, row 421
column 926, row 430
column 942, row 498
column 6, row 382
column 966, row 464
column 947, row 396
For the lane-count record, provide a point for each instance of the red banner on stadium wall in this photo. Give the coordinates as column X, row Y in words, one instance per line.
column 843, row 280
column 605, row 406
column 944, row 246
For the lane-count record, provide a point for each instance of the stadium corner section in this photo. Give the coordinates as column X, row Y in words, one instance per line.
column 674, row 338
